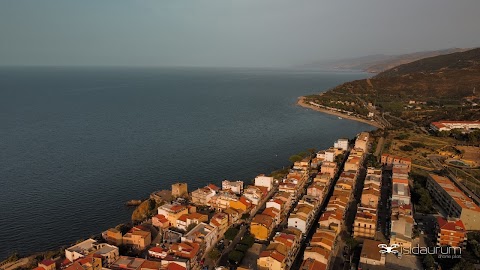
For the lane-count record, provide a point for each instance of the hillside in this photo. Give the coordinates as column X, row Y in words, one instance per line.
column 430, row 89
column 378, row 62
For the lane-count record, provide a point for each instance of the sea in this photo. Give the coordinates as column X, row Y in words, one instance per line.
column 77, row 142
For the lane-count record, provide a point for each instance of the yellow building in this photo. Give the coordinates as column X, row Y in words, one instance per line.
column 261, row 226
column 273, row 258
column 172, row 212
column 242, row 204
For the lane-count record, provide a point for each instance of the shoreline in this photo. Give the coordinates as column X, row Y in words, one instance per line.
column 301, row 102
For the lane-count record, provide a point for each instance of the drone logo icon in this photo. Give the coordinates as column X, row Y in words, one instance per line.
column 388, row 249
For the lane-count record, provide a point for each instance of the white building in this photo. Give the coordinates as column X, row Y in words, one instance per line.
column 264, row 181
column 108, row 252
column 204, row 234
column 330, row 155
column 341, row 143
column 235, row 186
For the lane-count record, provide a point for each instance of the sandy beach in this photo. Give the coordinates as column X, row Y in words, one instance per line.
column 301, row 102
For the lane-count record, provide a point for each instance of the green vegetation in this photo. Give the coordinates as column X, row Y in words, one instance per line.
column 279, row 174
column 406, row 148
column 145, row 210
column 241, row 247
column 235, row 257
column 417, row 145
column 295, row 158
column 214, row 254
column 248, row 240
column 429, row 262
column 416, row 93
column 245, row 216
column 231, row 233
column 420, row 195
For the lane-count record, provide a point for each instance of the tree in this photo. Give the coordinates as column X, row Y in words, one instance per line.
column 295, row 158
column 406, row 148
column 231, row 233
column 248, row 240
column 235, row 257
column 214, row 254
column 429, row 262
column 351, row 243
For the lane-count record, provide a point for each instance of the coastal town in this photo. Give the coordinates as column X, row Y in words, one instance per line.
column 337, row 208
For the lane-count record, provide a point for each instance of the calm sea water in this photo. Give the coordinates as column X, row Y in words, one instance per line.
column 76, row 143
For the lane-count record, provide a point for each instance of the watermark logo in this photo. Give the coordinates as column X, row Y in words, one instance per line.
column 440, row 252
column 388, row 249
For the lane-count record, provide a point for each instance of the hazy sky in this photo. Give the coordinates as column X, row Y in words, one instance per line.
column 227, row 32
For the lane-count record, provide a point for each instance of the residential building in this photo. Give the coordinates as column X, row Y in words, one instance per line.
column 220, row 220
column 454, row 201
column 109, row 253
column 370, row 254
column 317, row 253
column 138, row 237
column 329, row 168
column 233, row 214
column 302, row 217
column 244, row 204
column 387, row 159
column 273, row 257
column 330, row 155
column 264, row 181
column 172, row 212
column 235, row 186
column 262, row 226
column 331, row 220
column 254, row 194
column 87, row 263
column 365, row 223
column 370, row 196
column 341, row 143
column 203, row 234
column 113, row 236
column 449, row 125
column 49, row 264
column 311, row 264
column 222, row 199
column 185, row 254
column 362, row 141
column 451, row 233
column 203, row 195
column 160, row 221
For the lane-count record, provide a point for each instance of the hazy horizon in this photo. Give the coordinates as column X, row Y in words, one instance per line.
column 222, row 33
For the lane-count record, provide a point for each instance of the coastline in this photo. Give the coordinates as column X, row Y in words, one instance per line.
column 301, row 102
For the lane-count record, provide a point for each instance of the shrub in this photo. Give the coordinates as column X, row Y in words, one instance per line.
column 406, row 148
column 417, row 144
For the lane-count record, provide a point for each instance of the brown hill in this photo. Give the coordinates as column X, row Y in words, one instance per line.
column 379, row 62
column 430, row 89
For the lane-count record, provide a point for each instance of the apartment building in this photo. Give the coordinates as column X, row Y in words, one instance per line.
column 172, row 212
column 264, row 181
column 365, row 224
column 203, row 195
column 235, row 186
column 451, row 233
column 108, row 252
column 454, row 201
